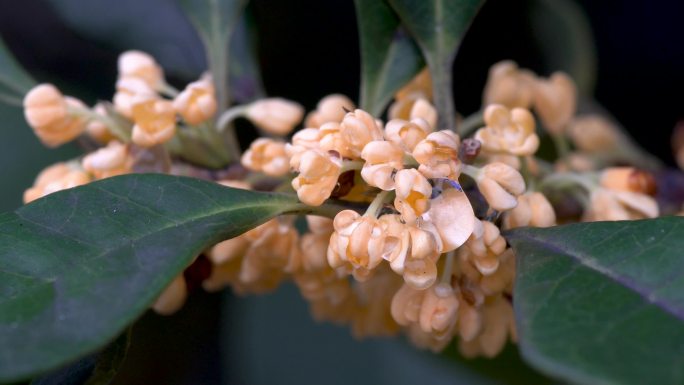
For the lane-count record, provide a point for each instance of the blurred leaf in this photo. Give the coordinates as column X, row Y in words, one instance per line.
column 96, row 369
column 246, row 84
column 110, row 360
column 600, row 303
column 157, row 27
column 506, row 368
column 215, row 21
column 389, row 58
column 438, row 26
column 79, row 265
column 15, row 82
column 564, row 36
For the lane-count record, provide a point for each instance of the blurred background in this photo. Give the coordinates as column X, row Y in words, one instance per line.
column 307, row 49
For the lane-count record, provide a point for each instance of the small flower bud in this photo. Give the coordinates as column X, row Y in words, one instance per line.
column 438, row 155
column 593, row 133
column 276, row 116
column 533, row 210
column 267, row 156
column 406, row 305
column 197, row 102
column 508, row 132
column 47, row 112
column 172, row 298
column 318, row 173
column 59, row 176
column 357, row 129
column 509, row 86
column 357, row 241
column 423, row 109
column 439, row 310
column 383, row 159
column 331, row 108
column 155, row 122
column 413, row 193
column 615, row 205
column 129, row 91
column 96, row 129
column 555, row 101
column 628, row 179
column 407, row 134
column 112, row 160
column 500, row 184
column 137, row 64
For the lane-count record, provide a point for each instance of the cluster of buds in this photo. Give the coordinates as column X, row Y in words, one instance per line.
column 419, row 248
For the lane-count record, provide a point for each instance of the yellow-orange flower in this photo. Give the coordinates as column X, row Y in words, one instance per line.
column 508, row 85
column 407, row 134
column 383, row 160
column 318, row 173
column 47, row 112
column 112, row 160
column 331, row 108
column 140, row 65
column 59, row 176
column 276, row 116
column 555, row 101
column 508, row 132
column 155, row 122
column 197, row 102
column 438, row 155
column 267, row 156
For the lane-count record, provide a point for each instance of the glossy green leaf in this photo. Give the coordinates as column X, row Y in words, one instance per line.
column 215, row 21
column 564, row 36
column 389, row 57
column 603, row 303
column 14, row 80
column 78, row 266
column 438, row 26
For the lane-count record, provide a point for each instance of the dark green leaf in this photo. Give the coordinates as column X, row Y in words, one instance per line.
column 157, row 27
column 564, row 36
column 110, row 360
column 603, row 303
column 78, row 266
column 438, row 26
column 14, row 80
column 389, row 57
column 246, row 84
column 215, row 21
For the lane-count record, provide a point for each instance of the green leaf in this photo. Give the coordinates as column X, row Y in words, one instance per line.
column 78, row 266
column 438, row 26
column 15, row 82
column 564, row 36
column 157, row 27
column 215, row 21
column 246, row 83
column 603, row 303
column 389, row 57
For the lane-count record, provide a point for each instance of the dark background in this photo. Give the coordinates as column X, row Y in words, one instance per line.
column 307, row 49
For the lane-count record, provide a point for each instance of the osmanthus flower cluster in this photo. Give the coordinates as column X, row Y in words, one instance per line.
column 420, row 249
